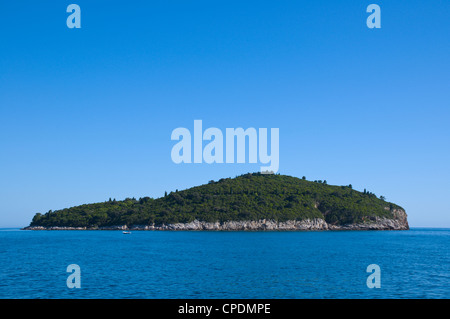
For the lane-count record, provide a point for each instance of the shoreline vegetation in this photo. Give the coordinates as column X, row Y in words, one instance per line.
column 252, row 201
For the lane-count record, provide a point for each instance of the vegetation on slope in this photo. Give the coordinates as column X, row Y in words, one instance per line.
column 247, row 197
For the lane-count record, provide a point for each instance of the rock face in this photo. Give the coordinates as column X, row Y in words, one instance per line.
column 399, row 222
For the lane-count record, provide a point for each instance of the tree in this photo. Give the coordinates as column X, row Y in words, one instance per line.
column 304, row 177
column 36, row 218
column 383, row 198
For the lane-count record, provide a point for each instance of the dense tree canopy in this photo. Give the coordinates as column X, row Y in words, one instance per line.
column 247, row 197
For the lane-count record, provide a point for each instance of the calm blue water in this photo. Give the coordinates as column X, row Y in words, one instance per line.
column 152, row 264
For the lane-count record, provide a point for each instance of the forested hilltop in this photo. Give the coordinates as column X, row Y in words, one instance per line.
column 249, row 197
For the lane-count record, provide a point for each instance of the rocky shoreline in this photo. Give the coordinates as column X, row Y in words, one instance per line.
column 399, row 222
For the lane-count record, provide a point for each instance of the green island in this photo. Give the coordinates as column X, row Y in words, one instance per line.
column 252, row 201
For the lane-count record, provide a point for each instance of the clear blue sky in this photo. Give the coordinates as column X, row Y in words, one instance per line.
column 86, row 114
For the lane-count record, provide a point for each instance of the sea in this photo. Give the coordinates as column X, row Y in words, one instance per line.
column 225, row 264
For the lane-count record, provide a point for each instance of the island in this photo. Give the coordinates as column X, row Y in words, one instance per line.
column 253, row 201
